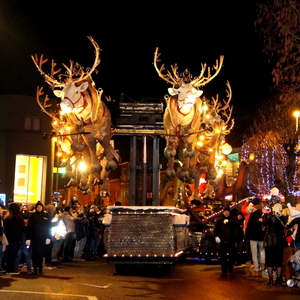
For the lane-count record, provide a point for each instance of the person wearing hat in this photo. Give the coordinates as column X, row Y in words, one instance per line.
column 255, row 235
column 38, row 235
column 224, row 232
column 14, row 226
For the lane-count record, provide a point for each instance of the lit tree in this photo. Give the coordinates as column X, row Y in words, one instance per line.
column 277, row 25
column 274, row 137
column 274, row 143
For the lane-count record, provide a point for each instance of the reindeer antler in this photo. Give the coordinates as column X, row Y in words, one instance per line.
column 72, row 70
column 226, row 109
column 48, row 78
column 173, row 79
column 186, row 76
column 203, row 80
column 43, row 105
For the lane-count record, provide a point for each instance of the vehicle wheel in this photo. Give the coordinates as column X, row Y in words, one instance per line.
column 121, row 269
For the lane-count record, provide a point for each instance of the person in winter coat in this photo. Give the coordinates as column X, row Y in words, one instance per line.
column 255, row 235
column 38, row 235
column 224, row 232
column 294, row 225
column 239, row 238
column 70, row 239
column 81, row 232
column 275, row 242
column 14, row 227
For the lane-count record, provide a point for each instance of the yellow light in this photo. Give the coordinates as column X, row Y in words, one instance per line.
column 217, row 130
column 251, row 156
column 68, row 128
column 82, row 166
column 59, row 154
column 201, row 137
column 224, row 163
column 296, row 113
column 199, row 144
column 220, row 173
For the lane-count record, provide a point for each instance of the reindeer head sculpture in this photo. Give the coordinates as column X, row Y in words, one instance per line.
column 187, row 116
column 82, row 106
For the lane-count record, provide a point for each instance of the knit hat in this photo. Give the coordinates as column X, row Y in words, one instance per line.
column 226, row 208
column 256, row 201
column 39, row 203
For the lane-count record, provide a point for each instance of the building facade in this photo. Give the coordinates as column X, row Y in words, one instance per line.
column 26, row 155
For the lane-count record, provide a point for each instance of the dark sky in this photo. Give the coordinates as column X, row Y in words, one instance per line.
column 187, row 33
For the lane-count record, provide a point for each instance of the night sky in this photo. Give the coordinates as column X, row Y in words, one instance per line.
column 128, row 33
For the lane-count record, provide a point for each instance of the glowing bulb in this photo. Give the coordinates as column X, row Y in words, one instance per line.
column 82, row 166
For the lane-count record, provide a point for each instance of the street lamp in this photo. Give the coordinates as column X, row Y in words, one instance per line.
column 296, row 115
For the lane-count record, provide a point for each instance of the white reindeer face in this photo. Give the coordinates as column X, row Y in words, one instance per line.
column 186, row 92
column 72, row 97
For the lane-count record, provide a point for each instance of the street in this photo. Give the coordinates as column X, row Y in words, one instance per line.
column 98, row 280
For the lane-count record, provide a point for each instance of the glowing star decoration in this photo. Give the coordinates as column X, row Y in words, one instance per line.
column 85, row 121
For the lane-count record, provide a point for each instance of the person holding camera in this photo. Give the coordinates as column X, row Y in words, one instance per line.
column 254, row 233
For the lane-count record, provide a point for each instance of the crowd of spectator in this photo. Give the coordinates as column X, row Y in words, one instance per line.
column 270, row 230
column 37, row 236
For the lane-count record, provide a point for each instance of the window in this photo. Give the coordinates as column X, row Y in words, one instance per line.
column 29, row 178
column 32, row 124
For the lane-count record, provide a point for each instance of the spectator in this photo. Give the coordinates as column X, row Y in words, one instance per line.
column 224, row 232
column 239, row 239
column 93, row 233
column 14, row 226
column 58, row 232
column 81, row 232
column 255, row 235
column 38, row 236
column 70, row 238
column 3, row 240
column 274, row 241
column 293, row 223
column 24, row 249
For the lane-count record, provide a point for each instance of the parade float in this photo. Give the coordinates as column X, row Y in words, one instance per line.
column 194, row 128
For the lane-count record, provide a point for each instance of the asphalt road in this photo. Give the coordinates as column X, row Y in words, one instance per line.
column 98, row 280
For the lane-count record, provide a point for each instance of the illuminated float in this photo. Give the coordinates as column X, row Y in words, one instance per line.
column 82, row 124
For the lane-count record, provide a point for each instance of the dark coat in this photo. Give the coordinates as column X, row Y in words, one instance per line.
column 239, row 231
column 226, row 232
column 254, row 230
column 81, row 227
column 39, row 226
column 275, row 236
column 14, row 224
